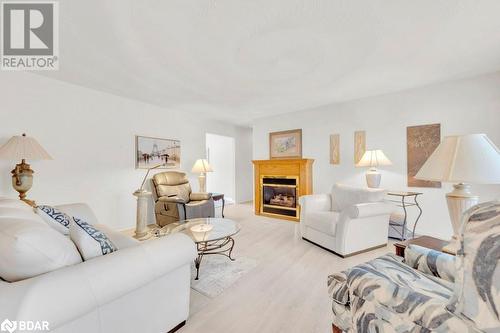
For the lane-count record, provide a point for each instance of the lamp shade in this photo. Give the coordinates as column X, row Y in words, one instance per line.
column 201, row 165
column 472, row 158
column 22, row 147
column 373, row 158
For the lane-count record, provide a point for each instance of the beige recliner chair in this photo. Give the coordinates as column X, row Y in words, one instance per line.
column 174, row 200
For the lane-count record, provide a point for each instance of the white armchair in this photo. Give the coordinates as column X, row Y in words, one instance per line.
column 348, row 221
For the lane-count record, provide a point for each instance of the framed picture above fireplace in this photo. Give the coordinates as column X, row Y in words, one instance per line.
column 285, row 144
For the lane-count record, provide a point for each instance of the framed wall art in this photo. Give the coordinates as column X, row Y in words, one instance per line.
column 150, row 152
column 421, row 141
column 285, row 144
column 335, row 149
column 359, row 145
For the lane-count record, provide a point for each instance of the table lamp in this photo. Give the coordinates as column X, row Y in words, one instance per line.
column 463, row 160
column 201, row 166
column 23, row 148
column 373, row 159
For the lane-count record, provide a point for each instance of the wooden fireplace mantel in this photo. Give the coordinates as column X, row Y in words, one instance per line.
column 300, row 168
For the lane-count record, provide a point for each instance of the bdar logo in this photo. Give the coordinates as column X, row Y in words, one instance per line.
column 8, row 326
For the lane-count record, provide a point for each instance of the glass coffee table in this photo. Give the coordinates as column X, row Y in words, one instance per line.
column 211, row 235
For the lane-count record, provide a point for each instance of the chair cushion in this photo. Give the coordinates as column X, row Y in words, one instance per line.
column 344, row 196
column 90, row 241
column 182, row 191
column 397, row 289
column 325, row 222
column 29, row 247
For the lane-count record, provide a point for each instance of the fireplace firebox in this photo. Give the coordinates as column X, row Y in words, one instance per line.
column 279, row 195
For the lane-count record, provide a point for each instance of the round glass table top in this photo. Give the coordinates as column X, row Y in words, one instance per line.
column 202, row 229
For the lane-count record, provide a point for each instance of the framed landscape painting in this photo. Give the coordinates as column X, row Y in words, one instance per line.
column 150, row 152
column 285, row 144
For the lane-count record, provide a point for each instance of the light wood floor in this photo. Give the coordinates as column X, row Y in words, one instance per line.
column 286, row 292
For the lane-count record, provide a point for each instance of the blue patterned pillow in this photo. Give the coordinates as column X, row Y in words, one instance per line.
column 55, row 218
column 90, row 241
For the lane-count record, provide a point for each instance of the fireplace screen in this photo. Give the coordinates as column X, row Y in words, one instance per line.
column 279, row 196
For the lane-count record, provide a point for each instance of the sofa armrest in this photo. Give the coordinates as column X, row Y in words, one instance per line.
column 431, row 262
column 199, row 196
column 316, row 202
column 369, row 209
column 172, row 200
column 121, row 240
column 61, row 296
column 79, row 210
column 338, row 289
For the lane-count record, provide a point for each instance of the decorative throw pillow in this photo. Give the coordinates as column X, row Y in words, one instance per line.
column 90, row 241
column 55, row 218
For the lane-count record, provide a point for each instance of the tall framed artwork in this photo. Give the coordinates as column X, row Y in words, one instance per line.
column 359, row 145
column 150, row 152
column 285, row 144
column 335, row 149
column 421, row 141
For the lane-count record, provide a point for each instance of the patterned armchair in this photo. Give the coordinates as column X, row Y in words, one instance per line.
column 427, row 291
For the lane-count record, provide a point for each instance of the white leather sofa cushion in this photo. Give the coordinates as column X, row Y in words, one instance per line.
column 15, row 203
column 323, row 221
column 344, row 196
column 29, row 248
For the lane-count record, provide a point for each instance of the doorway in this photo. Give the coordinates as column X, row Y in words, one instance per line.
column 221, row 156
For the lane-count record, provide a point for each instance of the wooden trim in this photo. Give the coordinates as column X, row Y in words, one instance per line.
column 346, row 255
column 178, row 327
column 335, row 329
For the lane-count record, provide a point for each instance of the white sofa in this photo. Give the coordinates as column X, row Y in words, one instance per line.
column 346, row 221
column 142, row 287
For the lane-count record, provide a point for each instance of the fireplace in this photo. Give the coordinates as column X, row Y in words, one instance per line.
column 279, row 195
column 278, row 184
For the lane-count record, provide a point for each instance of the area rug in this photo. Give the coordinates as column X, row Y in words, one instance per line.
column 217, row 273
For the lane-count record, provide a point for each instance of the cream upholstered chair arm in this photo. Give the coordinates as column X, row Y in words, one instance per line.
column 61, row 296
column 316, row 202
column 369, row 209
column 199, row 196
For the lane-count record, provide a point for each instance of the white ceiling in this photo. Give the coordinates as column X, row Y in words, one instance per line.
column 238, row 60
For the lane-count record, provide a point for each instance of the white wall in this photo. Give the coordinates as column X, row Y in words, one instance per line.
column 466, row 106
column 90, row 135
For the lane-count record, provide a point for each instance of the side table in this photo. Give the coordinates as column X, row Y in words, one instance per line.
column 217, row 197
column 423, row 241
column 403, row 203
